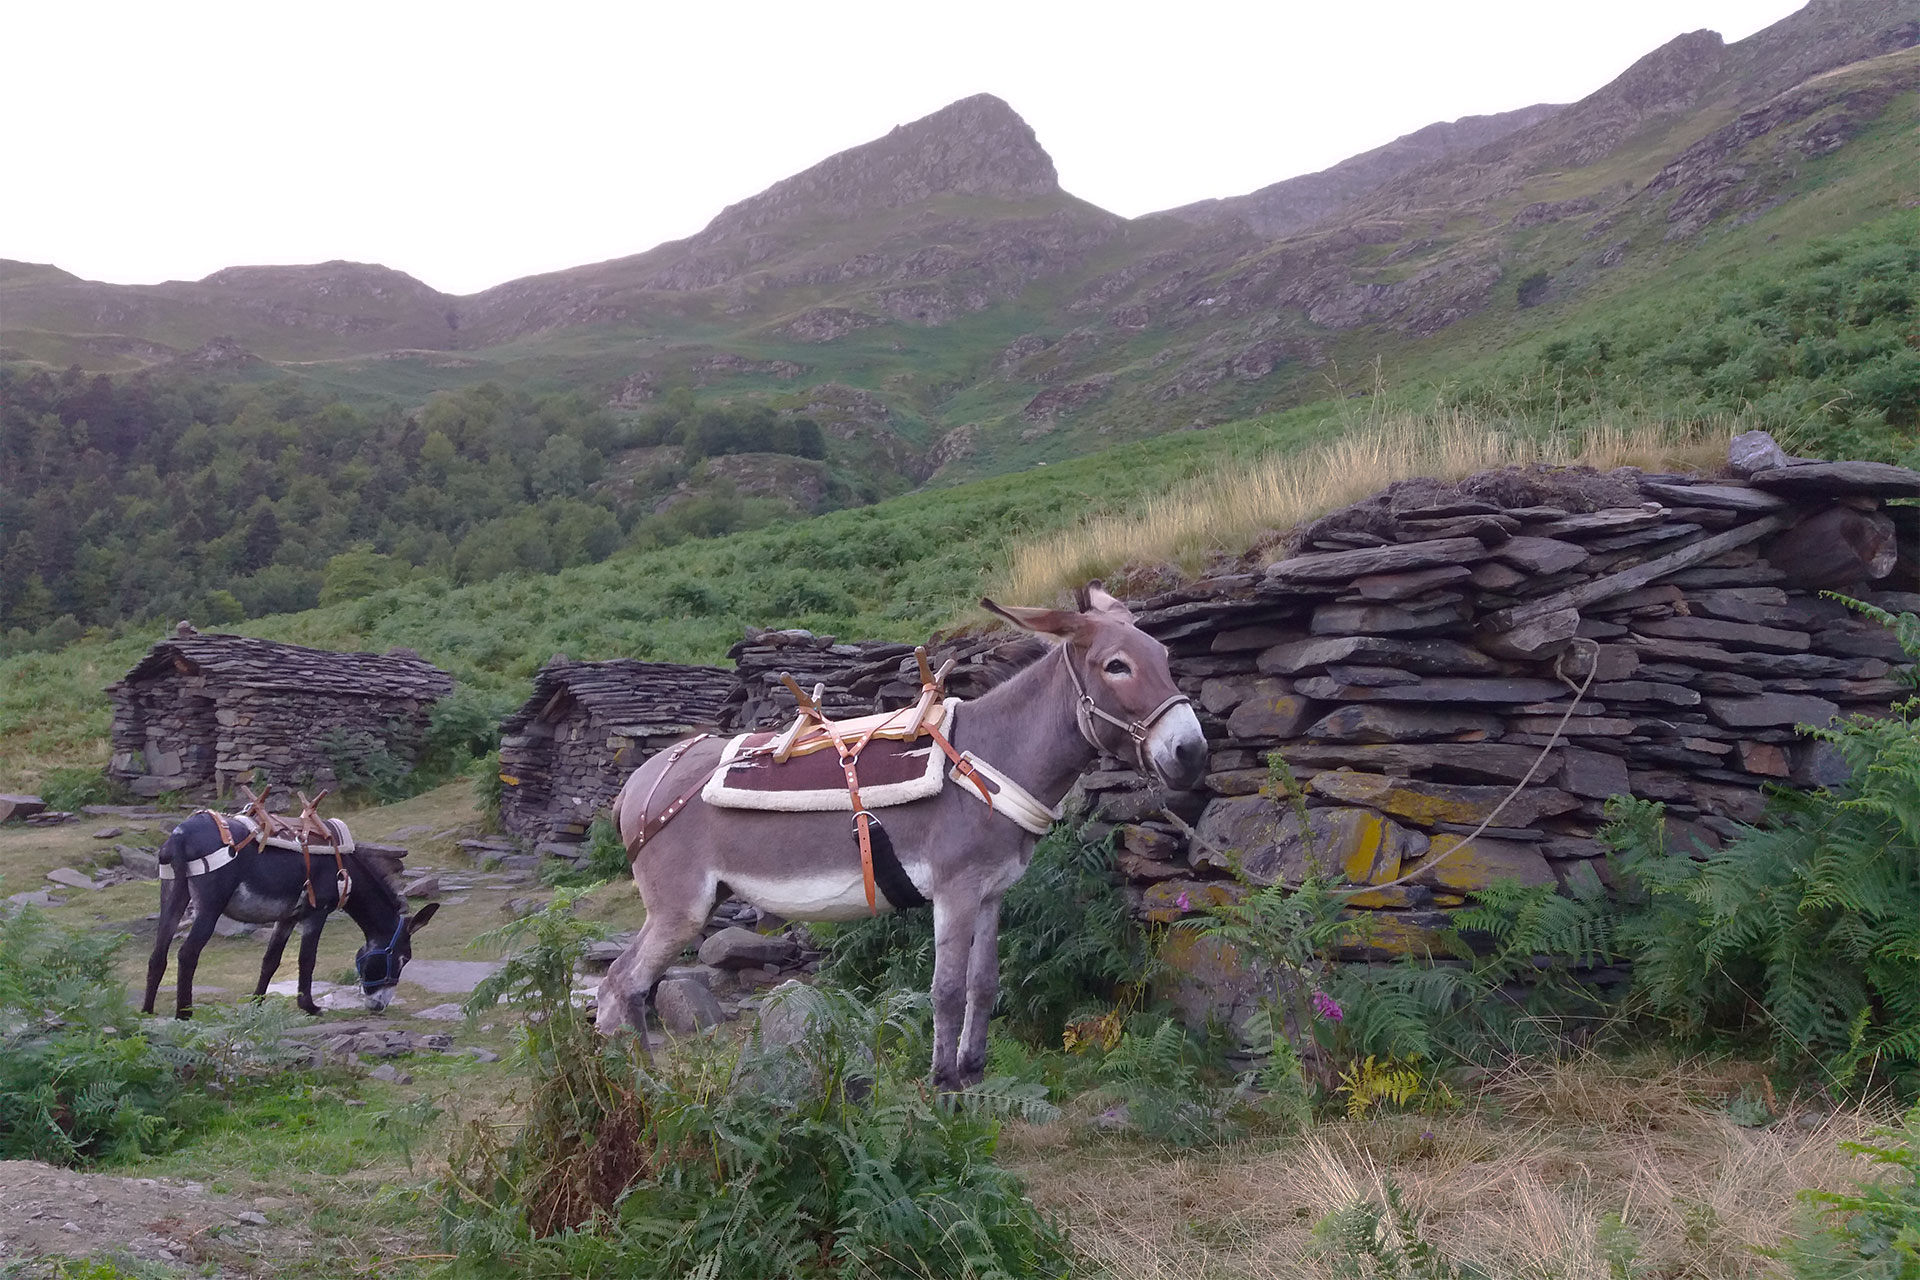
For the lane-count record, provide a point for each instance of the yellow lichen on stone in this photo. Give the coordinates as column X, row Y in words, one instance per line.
column 1367, row 855
column 1161, row 902
column 1481, row 864
column 1391, row 933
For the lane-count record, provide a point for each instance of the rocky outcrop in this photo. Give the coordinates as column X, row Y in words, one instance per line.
column 1298, row 203
column 976, row 146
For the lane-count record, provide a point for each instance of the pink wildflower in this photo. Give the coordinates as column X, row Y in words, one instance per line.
column 1327, row 1007
column 1183, row 901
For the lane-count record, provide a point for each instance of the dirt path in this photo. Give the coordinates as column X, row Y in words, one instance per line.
column 58, row 1212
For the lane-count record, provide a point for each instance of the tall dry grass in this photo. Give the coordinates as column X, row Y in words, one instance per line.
column 1230, row 509
column 1555, row 1172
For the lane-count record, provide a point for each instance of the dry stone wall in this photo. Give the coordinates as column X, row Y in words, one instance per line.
column 1413, row 658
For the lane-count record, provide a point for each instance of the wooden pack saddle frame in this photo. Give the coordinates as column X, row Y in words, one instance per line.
column 306, row 831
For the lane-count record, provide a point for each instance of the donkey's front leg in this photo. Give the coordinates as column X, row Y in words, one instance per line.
column 954, row 920
column 310, row 926
column 983, row 988
column 276, row 947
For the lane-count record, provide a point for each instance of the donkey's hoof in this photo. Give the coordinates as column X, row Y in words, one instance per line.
column 309, row 1008
column 184, row 1015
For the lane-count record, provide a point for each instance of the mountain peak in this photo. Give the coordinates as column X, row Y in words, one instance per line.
column 976, row 146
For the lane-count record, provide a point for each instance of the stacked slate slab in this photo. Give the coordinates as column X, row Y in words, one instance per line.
column 852, row 673
column 1414, row 654
column 202, row 712
column 567, row 751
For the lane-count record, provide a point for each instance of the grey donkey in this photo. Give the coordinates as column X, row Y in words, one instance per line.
column 1103, row 688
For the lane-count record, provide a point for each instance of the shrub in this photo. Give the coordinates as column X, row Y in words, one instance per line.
column 624, row 1167
column 75, row 786
column 78, row 1084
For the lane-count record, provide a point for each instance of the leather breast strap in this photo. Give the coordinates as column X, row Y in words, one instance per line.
column 650, row 827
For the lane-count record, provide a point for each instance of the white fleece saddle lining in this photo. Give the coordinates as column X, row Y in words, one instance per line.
column 243, row 827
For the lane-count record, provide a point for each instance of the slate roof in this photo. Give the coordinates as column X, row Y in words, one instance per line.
column 251, row 663
column 626, row 691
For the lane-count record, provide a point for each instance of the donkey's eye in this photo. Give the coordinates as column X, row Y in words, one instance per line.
column 1115, row 667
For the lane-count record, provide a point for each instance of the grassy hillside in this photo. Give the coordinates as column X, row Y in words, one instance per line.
column 1811, row 341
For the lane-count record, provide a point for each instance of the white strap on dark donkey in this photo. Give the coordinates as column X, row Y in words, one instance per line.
column 227, row 852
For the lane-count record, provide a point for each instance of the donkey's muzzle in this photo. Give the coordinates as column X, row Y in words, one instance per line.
column 1188, row 767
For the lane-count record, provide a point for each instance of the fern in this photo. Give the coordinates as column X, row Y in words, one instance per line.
column 821, row 1157
column 1805, row 930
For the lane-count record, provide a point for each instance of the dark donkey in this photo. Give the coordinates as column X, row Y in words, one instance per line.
column 269, row 886
column 1105, row 688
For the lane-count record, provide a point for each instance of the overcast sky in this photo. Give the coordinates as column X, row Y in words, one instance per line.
column 470, row 143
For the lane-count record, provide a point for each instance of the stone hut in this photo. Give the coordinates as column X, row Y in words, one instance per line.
column 567, row 751
column 203, row 712
column 1412, row 657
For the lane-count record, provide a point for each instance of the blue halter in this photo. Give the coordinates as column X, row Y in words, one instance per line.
column 376, row 965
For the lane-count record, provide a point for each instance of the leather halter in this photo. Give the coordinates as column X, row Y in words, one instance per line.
column 1085, row 711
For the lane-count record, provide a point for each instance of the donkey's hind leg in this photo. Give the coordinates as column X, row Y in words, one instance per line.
column 276, row 947
column 173, row 905
column 205, row 916
column 629, row 983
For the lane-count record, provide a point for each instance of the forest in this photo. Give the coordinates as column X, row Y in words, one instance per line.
column 139, row 498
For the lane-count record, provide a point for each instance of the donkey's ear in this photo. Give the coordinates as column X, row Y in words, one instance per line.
column 418, row 922
column 1052, row 622
column 1094, row 599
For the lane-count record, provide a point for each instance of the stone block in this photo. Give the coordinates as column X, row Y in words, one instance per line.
column 1269, row 714
column 1344, row 566
column 1594, row 774
column 737, row 948
column 1768, row 710
column 1171, row 900
column 1455, row 864
column 1390, row 935
column 1364, row 722
column 1382, row 619
column 1401, row 586
column 1437, row 689
column 1491, row 575
column 1540, row 637
column 1492, row 761
column 1431, row 657
column 1648, row 691
column 1834, row 479
column 1151, row 842
column 1741, row 635
column 686, row 1006
column 1429, row 802
column 1541, row 555
column 1763, row 758
column 1264, row 840
column 1221, row 694
column 71, row 878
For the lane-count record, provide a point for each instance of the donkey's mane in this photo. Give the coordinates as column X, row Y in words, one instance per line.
column 386, row 873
